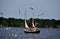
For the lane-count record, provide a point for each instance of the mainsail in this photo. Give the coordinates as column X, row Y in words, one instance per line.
column 33, row 26
column 26, row 26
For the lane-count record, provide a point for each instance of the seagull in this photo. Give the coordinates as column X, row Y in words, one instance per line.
column 14, row 35
column 9, row 27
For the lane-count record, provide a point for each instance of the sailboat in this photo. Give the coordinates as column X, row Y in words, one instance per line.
column 33, row 29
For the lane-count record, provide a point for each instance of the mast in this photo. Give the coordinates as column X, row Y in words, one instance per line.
column 19, row 13
column 25, row 16
column 33, row 18
column 26, row 26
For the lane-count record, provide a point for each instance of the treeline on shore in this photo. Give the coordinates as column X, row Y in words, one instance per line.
column 41, row 23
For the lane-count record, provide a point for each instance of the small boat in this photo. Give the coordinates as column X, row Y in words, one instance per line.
column 33, row 29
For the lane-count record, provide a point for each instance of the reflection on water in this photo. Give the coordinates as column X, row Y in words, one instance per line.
column 18, row 33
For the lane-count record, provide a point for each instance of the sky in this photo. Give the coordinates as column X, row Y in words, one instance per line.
column 42, row 9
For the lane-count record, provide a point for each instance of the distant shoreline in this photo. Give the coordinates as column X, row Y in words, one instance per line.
column 23, row 27
column 40, row 23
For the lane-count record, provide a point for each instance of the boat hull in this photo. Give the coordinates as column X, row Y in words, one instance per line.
column 32, row 32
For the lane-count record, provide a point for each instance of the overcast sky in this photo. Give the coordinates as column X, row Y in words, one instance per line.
column 49, row 8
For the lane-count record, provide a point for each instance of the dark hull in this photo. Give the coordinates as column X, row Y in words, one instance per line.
column 32, row 32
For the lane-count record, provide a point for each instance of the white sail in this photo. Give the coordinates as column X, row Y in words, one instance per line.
column 26, row 26
column 33, row 25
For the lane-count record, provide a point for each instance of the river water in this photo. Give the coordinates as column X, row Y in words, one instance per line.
column 18, row 33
